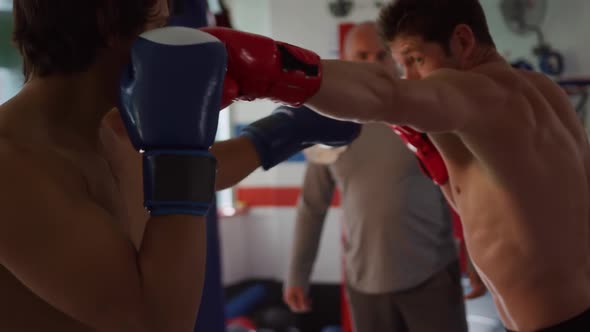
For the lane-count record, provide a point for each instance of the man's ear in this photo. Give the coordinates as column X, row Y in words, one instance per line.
column 463, row 41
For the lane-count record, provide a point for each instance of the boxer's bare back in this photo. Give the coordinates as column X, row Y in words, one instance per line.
column 522, row 189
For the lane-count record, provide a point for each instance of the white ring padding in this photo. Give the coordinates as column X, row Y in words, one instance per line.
column 178, row 36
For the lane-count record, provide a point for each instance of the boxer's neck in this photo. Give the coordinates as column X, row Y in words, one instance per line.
column 481, row 56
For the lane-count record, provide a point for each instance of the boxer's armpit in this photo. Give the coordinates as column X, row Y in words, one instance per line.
column 448, row 193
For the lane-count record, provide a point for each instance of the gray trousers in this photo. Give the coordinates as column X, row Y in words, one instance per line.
column 436, row 305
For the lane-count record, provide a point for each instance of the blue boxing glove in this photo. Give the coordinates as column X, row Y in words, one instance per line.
column 170, row 100
column 289, row 130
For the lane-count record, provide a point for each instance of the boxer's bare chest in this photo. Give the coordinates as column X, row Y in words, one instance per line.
column 112, row 180
column 89, row 175
column 20, row 308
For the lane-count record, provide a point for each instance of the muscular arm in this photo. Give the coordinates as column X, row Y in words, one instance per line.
column 443, row 102
column 236, row 159
column 67, row 250
column 316, row 196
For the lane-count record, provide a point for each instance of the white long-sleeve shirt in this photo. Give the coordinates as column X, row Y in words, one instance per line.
column 397, row 224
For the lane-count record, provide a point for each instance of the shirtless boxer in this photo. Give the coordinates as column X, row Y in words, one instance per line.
column 77, row 252
column 518, row 158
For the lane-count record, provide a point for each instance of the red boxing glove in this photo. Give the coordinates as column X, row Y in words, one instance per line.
column 259, row 67
column 430, row 159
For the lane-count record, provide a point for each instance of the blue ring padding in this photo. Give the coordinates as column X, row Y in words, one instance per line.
column 246, row 302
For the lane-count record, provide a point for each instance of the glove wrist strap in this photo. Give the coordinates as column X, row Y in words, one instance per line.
column 179, row 182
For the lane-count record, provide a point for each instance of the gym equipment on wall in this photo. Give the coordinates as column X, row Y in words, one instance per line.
column 524, row 17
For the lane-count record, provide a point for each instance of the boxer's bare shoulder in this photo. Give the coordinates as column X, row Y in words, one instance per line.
column 29, row 151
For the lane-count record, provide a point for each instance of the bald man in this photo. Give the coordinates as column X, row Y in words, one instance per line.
column 402, row 270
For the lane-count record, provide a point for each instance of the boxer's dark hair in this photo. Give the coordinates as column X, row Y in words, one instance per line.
column 433, row 20
column 64, row 36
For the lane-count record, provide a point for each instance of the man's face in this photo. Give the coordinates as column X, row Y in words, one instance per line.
column 366, row 46
column 418, row 59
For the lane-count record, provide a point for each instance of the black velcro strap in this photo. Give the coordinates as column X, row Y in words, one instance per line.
column 179, row 177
